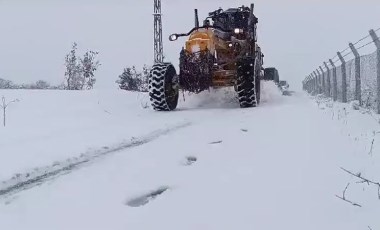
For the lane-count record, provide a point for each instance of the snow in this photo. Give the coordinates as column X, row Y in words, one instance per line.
column 49, row 126
column 362, row 128
column 208, row 165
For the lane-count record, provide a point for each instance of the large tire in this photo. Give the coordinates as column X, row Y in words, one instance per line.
column 259, row 77
column 163, row 87
column 258, row 90
column 246, row 82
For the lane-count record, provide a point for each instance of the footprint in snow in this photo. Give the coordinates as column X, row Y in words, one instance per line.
column 216, row 142
column 145, row 199
column 190, row 160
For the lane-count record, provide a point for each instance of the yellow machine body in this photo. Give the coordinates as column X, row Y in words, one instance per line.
column 201, row 40
column 206, row 39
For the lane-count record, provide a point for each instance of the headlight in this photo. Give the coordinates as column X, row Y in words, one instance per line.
column 173, row 37
column 238, row 31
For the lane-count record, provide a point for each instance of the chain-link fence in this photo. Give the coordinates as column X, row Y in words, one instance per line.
column 355, row 78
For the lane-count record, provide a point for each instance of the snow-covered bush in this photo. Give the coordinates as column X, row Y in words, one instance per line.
column 74, row 79
column 42, row 85
column 89, row 65
column 80, row 72
column 6, row 84
column 132, row 80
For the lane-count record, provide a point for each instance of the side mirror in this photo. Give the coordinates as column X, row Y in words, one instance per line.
column 206, row 23
column 173, row 37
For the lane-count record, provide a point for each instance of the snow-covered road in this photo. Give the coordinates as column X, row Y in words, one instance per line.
column 272, row 167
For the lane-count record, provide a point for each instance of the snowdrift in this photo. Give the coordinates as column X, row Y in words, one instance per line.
column 227, row 98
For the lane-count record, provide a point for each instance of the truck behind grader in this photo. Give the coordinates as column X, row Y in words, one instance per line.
column 223, row 52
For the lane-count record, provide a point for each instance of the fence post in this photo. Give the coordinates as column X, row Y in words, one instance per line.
column 323, row 81
column 344, row 78
column 319, row 82
column 335, row 81
column 377, row 43
column 312, row 83
column 303, row 85
column 358, row 85
column 315, row 83
column 310, row 86
column 328, row 80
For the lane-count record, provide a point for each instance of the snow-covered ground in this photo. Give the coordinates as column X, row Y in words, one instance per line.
column 100, row 160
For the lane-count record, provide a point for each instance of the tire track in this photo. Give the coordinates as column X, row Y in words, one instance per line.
column 29, row 180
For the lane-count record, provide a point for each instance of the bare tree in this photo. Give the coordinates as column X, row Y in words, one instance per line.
column 80, row 72
column 4, row 105
column 89, row 66
column 74, row 79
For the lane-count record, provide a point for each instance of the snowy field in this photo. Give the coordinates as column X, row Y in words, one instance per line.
column 101, row 160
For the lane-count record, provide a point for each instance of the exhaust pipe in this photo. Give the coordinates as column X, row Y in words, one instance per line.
column 252, row 21
column 251, row 15
column 196, row 18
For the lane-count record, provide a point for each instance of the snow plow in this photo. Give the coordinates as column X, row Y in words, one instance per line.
column 223, row 52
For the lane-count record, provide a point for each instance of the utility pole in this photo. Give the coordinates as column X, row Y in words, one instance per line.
column 158, row 46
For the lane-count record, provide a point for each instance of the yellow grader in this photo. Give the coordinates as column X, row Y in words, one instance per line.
column 221, row 53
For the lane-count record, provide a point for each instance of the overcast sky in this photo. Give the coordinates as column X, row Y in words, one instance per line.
column 295, row 35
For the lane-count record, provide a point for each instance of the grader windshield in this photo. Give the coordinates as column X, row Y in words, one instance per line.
column 228, row 21
column 231, row 19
